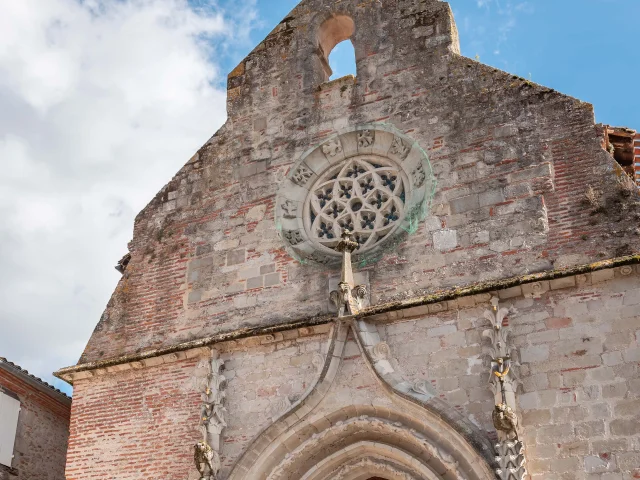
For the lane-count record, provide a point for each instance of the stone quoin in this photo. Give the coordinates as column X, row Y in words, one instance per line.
column 429, row 270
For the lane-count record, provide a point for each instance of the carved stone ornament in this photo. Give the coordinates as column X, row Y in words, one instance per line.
column 212, row 419
column 280, row 406
column 422, row 387
column 332, row 148
column 626, row 270
column 510, row 460
column 510, row 457
column 289, row 209
column 368, row 181
column 207, row 461
column 381, row 351
column 399, row 148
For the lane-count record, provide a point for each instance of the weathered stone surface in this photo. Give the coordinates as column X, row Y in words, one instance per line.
column 504, row 179
column 513, row 161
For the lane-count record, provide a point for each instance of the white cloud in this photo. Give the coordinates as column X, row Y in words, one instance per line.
column 101, row 102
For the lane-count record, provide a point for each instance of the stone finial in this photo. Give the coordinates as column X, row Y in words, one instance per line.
column 348, row 298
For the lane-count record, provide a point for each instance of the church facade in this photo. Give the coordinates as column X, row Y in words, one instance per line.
column 430, row 270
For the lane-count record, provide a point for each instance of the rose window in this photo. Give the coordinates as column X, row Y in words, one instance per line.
column 365, row 195
column 372, row 180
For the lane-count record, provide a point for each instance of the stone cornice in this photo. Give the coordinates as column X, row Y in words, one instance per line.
column 532, row 285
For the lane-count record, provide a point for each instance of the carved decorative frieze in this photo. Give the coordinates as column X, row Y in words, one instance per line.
column 212, row 418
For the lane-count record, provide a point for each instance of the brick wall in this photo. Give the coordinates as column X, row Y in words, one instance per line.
column 142, row 424
column 139, row 424
column 513, row 162
column 42, row 435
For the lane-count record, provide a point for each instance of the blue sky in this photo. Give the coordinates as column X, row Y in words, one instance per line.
column 102, row 101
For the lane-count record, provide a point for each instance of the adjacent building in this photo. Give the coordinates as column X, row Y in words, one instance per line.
column 34, row 426
column 429, row 270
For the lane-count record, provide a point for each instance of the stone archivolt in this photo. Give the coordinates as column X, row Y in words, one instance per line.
column 404, row 441
column 372, row 180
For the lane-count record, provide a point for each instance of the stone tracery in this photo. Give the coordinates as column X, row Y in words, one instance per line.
column 364, row 195
column 372, row 181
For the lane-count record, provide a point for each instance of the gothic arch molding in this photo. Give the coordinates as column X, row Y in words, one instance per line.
column 364, row 460
column 407, row 439
column 393, row 441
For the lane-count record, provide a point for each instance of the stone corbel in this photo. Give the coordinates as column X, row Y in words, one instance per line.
column 212, row 418
column 510, row 457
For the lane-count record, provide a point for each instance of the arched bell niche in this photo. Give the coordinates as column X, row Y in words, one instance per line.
column 332, row 32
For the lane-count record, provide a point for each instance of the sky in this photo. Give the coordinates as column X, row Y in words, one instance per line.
column 102, row 101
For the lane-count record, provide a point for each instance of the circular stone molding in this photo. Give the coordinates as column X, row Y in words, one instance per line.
column 372, row 180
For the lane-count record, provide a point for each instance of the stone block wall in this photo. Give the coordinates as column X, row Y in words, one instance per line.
column 579, row 355
column 42, row 434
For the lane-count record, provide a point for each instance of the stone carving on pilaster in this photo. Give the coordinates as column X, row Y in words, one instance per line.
column 504, row 382
column 212, row 419
column 511, row 460
column 348, row 298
